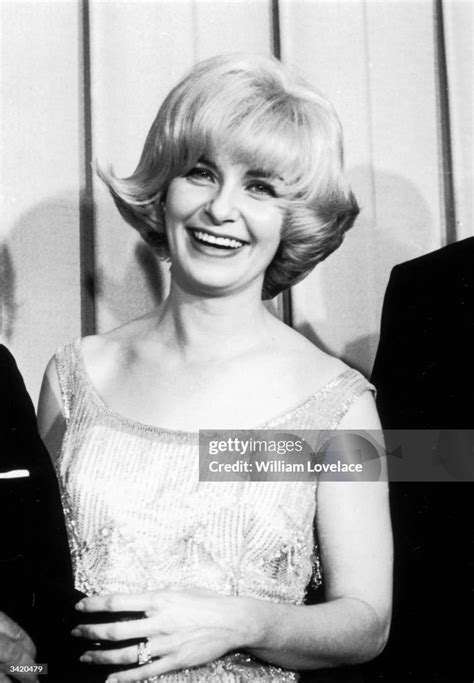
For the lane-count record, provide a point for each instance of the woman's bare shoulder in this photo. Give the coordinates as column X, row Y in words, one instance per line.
column 102, row 352
column 312, row 366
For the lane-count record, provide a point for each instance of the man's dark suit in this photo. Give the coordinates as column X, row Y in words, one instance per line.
column 424, row 374
column 35, row 569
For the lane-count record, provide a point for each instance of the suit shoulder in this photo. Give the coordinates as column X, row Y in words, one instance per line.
column 6, row 357
column 9, row 374
column 15, row 402
column 444, row 275
column 453, row 257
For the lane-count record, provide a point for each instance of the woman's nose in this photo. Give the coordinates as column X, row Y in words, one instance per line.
column 223, row 205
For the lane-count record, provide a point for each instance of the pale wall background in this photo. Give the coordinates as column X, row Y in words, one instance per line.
column 83, row 80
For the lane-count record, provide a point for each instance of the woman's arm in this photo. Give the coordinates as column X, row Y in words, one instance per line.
column 51, row 421
column 188, row 628
column 356, row 549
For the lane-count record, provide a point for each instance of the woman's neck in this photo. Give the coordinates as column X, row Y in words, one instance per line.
column 214, row 327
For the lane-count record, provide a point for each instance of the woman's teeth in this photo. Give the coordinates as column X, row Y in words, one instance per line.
column 224, row 242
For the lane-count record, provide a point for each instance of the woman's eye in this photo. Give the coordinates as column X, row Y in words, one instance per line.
column 199, row 173
column 260, row 188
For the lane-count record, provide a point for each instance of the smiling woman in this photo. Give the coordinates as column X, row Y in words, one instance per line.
column 223, row 227
column 284, row 133
column 241, row 186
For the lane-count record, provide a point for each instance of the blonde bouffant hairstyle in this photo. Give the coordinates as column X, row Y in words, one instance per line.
column 265, row 115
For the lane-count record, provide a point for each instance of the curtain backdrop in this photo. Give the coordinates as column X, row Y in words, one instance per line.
column 83, row 81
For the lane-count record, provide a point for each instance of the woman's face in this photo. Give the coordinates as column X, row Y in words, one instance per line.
column 223, row 223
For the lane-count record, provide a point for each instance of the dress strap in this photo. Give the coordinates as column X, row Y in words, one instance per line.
column 66, row 366
column 344, row 393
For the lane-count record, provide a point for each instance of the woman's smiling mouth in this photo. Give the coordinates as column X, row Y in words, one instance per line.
column 209, row 239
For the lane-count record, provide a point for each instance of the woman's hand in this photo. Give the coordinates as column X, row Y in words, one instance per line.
column 183, row 628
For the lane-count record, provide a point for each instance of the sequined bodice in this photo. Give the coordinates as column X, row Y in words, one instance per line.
column 139, row 519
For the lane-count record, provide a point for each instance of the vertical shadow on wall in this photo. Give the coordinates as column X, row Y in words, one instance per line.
column 133, row 289
column 8, row 302
column 39, row 247
column 153, row 275
column 360, row 353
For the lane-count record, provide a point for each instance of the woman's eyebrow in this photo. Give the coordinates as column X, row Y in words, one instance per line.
column 262, row 173
column 250, row 173
column 207, row 162
column 259, row 173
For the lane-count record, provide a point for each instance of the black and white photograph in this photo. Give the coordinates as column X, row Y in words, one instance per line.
column 236, row 341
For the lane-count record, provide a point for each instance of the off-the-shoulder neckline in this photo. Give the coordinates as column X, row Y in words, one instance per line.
column 149, row 428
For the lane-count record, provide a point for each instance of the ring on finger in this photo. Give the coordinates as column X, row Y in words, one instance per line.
column 143, row 653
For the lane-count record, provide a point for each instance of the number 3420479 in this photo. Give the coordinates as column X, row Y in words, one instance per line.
column 28, row 669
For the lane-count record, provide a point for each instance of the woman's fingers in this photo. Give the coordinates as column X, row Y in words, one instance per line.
column 189, row 648
column 136, row 602
column 118, row 602
column 117, row 630
column 157, row 647
column 182, row 628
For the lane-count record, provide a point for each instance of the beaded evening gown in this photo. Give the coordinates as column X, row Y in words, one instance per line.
column 139, row 519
